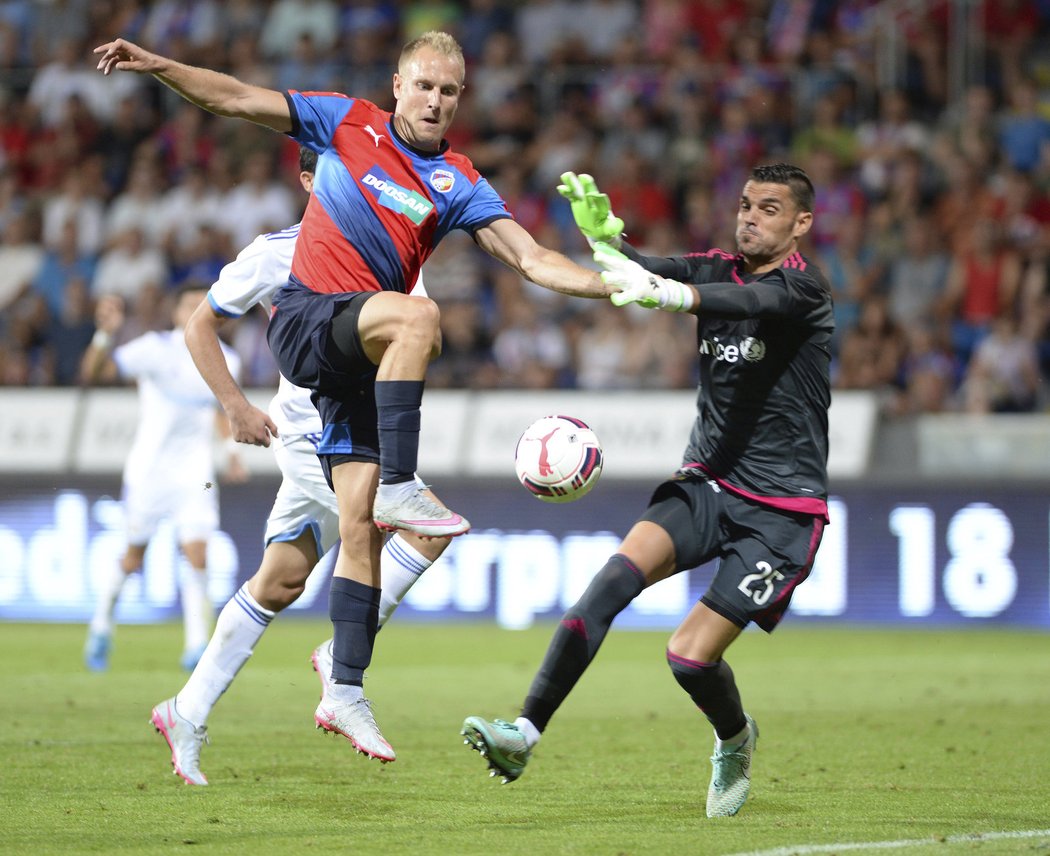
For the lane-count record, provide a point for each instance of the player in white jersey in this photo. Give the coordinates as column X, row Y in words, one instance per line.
column 169, row 473
column 302, row 526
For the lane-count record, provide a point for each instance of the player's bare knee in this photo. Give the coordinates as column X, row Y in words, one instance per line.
column 276, row 597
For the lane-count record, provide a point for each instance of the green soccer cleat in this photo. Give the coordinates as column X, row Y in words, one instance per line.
column 731, row 776
column 501, row 743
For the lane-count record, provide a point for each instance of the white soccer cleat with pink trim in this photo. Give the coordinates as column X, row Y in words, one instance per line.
column 416, row 512
column 184, row 739
column 355, row 722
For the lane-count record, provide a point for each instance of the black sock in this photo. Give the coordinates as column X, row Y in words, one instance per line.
column 397, row 404
column 354, row 608
column 579, row 636
column 712, row 688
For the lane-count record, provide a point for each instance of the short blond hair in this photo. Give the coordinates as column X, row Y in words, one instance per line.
column 438, row 41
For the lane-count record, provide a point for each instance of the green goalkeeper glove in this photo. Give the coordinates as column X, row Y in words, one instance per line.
column 637, row 285
column 590, row 209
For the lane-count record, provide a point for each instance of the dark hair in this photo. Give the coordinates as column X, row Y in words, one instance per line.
column 307, row 159
column 794, row 177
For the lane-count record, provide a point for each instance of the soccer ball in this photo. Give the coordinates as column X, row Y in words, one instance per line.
column 558, row 459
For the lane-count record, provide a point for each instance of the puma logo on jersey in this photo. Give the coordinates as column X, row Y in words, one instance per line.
column 375, row 136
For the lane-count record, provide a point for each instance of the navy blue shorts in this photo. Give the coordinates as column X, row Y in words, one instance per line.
column 342, row 382
column 763, row 552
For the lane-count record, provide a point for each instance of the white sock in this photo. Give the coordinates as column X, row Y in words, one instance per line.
column 525, row 726
column 197, row 609
column 108, row 594
column 240, row 626
column 735, row 740
column 347, row 693
column 390, row 492
column 401, row 565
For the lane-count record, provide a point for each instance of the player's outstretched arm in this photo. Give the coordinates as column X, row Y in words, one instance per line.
column 248, row 424
column 591, row 209
column 507, row 241
column 214, row 91
column 634, row 284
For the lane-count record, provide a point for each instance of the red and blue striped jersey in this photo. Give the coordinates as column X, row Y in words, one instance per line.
column 379, row 207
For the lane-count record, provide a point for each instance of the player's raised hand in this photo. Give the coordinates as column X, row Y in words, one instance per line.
column 122, row 55
column 590, row 209
column 635, row 284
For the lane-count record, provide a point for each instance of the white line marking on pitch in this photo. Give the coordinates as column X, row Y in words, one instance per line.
column 808, row 849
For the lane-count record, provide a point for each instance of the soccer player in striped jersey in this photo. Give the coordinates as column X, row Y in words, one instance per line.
column 387, row 189
column 752, row 489
column 303, row 524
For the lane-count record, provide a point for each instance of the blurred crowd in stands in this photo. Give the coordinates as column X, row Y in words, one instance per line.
column 932, row 220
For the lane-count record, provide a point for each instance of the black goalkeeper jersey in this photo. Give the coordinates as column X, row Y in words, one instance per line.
column 764, row 347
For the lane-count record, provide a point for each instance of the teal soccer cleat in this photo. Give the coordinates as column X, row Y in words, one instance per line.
column 499, row 742
column 731, row 776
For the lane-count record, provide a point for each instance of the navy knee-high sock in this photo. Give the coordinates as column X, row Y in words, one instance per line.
column 713, row 689
column 397, row 405
column 354, row 609
column 579, row 636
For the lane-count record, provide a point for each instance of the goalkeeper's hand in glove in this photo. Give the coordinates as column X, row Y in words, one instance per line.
column 590, row 209
column 637, row 285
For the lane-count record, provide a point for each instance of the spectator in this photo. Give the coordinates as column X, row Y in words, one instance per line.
column 186, row 208
column 79, row 203
column 287, row 20
column 306, row 68
column 482, row 20
column 466, row 360
column 531, row 351
column 603, row 25
column 62, row 264
column 603, row 348
column 917, row 277
column 1003, row 375
column 419, row 16
column 871, row 352
column 541, row 28
column 70, row 330
column 883, row 141
column 852, row 271
column 929, row 373
column 259, row 203
column 140, row 205
column 130, row 268
column 20, row 260
column 1024, row 133
column 637, row 196
column 983, row 283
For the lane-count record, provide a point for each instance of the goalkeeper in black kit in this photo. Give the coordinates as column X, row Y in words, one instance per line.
column 752, row 488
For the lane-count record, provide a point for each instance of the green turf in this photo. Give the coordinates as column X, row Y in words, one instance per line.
column 866, row 736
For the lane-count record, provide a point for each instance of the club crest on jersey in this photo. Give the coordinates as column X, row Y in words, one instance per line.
column 752, row 349
column 442, row 180
column 390, row 195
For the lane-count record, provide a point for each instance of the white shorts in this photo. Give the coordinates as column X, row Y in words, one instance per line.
column 192, row 508
column 304, row 500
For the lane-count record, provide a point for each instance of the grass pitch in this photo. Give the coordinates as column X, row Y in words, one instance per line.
column 867, row 736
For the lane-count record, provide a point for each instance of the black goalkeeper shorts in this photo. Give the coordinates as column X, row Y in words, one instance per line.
column 762, row 552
